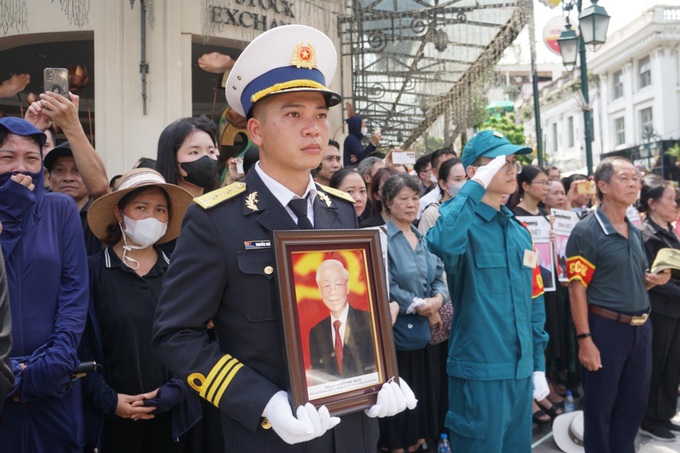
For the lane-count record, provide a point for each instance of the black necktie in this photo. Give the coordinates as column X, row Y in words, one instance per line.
column 299, row 208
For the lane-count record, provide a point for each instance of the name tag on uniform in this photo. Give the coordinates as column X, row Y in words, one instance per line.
column 257, row 245
column 530, row 259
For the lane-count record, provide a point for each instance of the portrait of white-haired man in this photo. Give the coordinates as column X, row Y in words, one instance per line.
column 341, row 345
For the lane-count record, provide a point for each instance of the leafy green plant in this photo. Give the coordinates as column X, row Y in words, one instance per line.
column 674, row 151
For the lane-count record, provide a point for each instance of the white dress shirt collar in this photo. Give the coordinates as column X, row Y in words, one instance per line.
column 284, row 194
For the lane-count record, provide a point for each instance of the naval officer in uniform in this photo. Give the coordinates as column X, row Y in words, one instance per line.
column 223, row 267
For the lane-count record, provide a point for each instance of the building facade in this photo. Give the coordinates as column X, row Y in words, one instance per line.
column 634, row 82
column 142, row 62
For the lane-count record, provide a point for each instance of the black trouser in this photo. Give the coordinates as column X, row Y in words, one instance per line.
column 615, row 396
column 663, row 392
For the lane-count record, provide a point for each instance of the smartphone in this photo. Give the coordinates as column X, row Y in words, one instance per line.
column 585, row 188
column 84, row 368
column 56, row 79
column 404, row 157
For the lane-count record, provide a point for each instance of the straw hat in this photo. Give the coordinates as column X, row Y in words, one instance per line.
column 568, row 432
column 100, row 215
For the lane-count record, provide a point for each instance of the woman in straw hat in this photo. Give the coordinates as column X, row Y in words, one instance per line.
column 135, row 402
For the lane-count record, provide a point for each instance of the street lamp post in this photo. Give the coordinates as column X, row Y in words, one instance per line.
column 593, row 24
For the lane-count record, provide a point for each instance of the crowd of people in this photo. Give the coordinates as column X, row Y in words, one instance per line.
column 141, row 313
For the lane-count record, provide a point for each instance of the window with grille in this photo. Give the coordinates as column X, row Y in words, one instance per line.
column 620, row 130
column 645, row 72
column 617, row 91
column 646, row 123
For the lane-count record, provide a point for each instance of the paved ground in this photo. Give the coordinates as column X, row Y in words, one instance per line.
column 544, row 443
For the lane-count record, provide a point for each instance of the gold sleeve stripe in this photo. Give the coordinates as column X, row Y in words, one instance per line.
column 218, row 379
column 226, row 383
column 214, row 384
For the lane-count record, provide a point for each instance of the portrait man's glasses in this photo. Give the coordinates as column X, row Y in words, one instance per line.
column 336, row 286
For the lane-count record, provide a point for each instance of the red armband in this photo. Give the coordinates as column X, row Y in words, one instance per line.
column 579, row 268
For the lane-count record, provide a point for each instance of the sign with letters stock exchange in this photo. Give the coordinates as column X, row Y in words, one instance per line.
column 258, row 14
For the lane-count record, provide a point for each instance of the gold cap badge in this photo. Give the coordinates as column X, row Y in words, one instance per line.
column 304, row 56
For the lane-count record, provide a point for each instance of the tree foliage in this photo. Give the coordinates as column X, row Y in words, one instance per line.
column 506, row 125
column 431, row 144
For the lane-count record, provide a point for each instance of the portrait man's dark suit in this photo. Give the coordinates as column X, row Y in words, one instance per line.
column 358, row 351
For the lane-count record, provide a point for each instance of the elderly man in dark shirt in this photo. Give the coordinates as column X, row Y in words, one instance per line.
column 608, row 283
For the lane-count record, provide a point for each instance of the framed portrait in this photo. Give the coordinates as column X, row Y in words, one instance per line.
column 539, row 227
column 547, row 265
column 336, row 318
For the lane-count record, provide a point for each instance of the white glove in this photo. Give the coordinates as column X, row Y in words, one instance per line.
column 308, row 425
column 392, row 399
column 485, row 173
column 541, row 389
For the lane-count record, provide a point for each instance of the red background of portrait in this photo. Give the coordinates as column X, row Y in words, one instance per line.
column 311, row 308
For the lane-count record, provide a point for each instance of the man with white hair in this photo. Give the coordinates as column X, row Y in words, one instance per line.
column 341, row 344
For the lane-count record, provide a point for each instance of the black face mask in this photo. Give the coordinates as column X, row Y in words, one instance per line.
column 201, row 172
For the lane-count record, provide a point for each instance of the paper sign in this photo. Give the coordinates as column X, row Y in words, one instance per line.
column 564, row 223
column 404, row 157
column 634, row 216
column 539, row 227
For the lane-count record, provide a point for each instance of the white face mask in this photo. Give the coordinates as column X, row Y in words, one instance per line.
column 144, row 233
column 364, row 131
column 433, row 178
column 453, row 190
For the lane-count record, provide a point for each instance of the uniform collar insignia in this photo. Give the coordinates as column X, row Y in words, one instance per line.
column 323, row 197
column 251, row 201
column 304, row 56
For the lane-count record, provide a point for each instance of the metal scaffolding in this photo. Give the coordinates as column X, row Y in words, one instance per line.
column 415, row 60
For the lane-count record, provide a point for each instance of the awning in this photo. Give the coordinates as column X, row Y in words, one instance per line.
column 414, row 60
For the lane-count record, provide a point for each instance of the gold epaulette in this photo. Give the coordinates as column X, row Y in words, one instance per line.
column 212, row 199
column 336, row 192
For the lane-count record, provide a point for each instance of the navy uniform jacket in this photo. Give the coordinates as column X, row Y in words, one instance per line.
column 358, row 355
column 214, row 277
